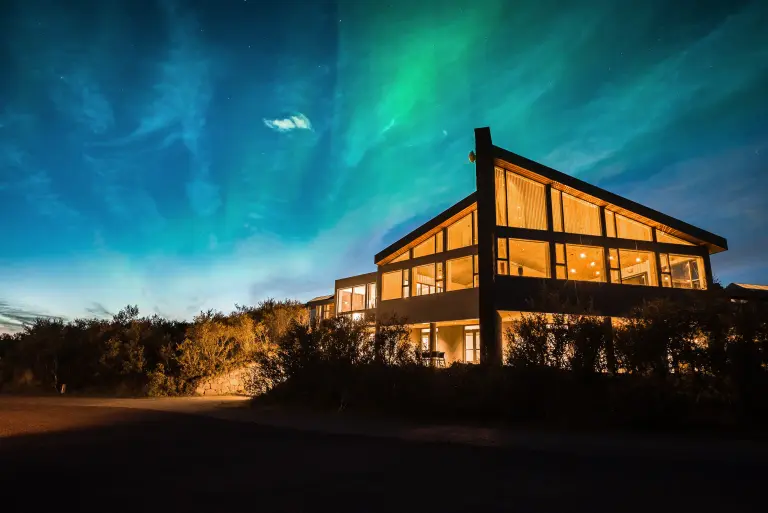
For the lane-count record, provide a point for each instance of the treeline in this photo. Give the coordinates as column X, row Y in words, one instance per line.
column 135, row 355
column 668, row 366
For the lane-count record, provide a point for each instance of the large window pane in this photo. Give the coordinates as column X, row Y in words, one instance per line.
column 670, row 239
column 528, row 258
column 344, row 299
column 585, row 263
column 424, row 279
column 371, row 296
column 557, row 211
column 425, row 248
column 402, row 258
column 358, row 298
column 501, row 199
column 580, row 216
column 526, row 207
column 637, row 267
column 460, row 233
column 610, row 224
column 687, row 272
column 627, row 228
column 392, row 285
column 459, row 273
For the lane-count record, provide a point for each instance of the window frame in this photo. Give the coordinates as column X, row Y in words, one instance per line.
column 506, row 173
column 503, row 265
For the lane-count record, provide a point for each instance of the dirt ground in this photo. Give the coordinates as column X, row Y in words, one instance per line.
column 112, row 455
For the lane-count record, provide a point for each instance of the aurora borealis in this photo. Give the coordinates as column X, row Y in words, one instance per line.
column 195, row 154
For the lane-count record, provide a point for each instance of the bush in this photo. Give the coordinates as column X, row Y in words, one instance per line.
column 140, row 355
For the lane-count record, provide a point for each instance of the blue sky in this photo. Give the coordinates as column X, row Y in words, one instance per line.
column 186, row 155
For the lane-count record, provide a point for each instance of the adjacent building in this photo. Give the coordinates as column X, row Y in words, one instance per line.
column 526, row 233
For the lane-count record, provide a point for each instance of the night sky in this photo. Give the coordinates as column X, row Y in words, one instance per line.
column 192, row 155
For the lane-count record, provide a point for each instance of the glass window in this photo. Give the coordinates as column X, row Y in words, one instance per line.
column 474, row 227
column 526, row 207
column 440, row 283
column 560, row 272
column 476, row 277
column 406, row 283
column 627, row 228
column 664, row 262
column 637, row 267
column 580, row 216
column 528, row 258
column 460, row 233
column 425, row 248
column 439, row 239
column 392, row 285
column 502, row 252
column 671, row 239
column 501, row 198
column 358, row 298
column 585, row 263
column 560, row 253
column 557, row 211
column 610, row 224
column 371, row 296
column 687, row 272
column 502, row 267
column 402, row 258
column 424, row 280
column 459, row 273
column 344, row 300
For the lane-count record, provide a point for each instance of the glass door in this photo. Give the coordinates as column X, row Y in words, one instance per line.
column 472, row 344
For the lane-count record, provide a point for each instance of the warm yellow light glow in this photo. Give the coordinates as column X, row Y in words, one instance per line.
column 573, row 270
column 582, row 256
column 637, row 260
column 591, row 264
column 610, row 257
column 597, row 273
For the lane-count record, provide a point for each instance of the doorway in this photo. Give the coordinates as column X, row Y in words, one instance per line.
column 472, row 344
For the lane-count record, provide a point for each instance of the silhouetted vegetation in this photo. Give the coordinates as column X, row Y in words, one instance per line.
column 129, row 354
column 668, row 367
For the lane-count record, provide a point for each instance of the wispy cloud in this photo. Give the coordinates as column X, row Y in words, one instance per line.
column 15, row 318
column 288, row 124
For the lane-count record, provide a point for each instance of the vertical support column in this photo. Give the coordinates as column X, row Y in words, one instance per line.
column 376, row 317
column 708, row 270
column 657, row 258
column 606, row 247
column 550, row 229
column 432, row 337
column 490, row 346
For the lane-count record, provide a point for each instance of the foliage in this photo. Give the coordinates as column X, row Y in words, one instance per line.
column 140, row 355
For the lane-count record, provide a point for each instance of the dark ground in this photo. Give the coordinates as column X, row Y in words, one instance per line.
column 85, row 458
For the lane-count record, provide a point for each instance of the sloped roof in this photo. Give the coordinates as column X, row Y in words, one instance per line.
column 320, row 299
column 747, row 291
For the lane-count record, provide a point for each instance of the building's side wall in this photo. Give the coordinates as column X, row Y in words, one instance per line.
column 446, row 306
column 450, row 340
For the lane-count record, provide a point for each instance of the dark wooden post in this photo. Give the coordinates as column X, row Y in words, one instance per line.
column 490, row 342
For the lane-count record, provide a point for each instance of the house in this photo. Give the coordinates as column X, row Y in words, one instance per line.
column 461, row 278
column 747, row 292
